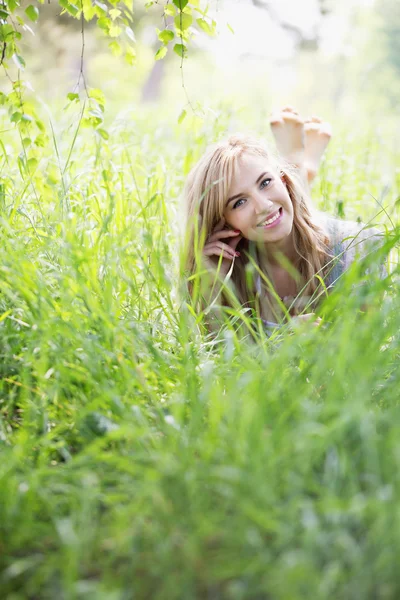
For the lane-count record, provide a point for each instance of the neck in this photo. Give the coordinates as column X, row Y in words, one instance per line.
column 285, row 247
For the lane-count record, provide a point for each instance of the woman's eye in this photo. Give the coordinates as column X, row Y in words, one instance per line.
column 265, row 182
column 238, row 203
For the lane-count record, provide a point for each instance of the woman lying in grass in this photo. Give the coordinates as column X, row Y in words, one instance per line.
column 251, row 223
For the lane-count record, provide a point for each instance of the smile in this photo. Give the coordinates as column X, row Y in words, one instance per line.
column 273, row 220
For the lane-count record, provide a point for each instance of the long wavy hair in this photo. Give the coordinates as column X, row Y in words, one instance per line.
column 205, row 196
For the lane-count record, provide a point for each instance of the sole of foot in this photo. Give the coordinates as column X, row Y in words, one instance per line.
column 317, row 136
column 288, row 130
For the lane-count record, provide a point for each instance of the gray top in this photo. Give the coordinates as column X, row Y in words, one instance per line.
column 349, row 241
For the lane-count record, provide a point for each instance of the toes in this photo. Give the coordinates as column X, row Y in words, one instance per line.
column 320, row 127
column 288, row 114
column 276, row 119
column 291, row 117
column 313, row 119
column 290, row 108
column 310, row 126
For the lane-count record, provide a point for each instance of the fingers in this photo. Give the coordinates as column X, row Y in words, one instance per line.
column 220, row 249
column 219, row 253
column 216, row 247
column 225, row 233
column 234, row 241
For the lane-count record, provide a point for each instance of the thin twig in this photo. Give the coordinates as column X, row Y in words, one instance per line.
column 81, row 73
column 181, row 67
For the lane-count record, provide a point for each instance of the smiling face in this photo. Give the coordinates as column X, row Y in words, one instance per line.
column 258, row 202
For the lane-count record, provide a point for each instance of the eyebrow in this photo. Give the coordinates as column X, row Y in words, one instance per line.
column 243, row 194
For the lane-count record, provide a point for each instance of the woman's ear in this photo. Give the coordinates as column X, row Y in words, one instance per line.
column 283, row 178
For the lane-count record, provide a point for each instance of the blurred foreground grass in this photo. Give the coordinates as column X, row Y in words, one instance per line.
column 141, row 460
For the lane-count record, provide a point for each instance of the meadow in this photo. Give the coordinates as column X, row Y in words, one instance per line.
column 142, row 458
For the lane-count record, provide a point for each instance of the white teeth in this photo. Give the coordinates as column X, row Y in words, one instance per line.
column 269, row 221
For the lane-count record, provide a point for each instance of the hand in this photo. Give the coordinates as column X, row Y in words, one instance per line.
column 307, row 317
column 215, row 247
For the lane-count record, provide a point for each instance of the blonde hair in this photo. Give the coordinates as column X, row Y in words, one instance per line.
column 205, row 196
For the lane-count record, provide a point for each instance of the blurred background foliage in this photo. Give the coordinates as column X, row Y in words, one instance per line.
column 242, row 59
column 341, row 57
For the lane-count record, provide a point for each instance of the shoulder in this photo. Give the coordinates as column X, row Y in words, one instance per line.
column 348, row 242
column 349, row 235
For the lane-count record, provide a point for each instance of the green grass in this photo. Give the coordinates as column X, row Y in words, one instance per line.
column 140, row 459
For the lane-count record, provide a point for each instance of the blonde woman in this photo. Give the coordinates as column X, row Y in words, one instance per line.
column 251, row 223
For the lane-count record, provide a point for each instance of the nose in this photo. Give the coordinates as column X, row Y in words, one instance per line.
column 263, row 205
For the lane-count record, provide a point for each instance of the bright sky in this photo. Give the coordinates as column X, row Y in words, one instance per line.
column 259, row 35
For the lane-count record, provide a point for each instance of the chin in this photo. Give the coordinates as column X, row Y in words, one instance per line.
column 278, row 235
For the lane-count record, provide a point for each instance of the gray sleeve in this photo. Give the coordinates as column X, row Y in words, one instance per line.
column 350, row 242
column 363, row 244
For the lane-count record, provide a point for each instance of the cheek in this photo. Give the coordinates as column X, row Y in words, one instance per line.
column 233, row 219
column 288, row 204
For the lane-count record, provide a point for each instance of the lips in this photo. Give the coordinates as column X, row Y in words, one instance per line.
column 272, row 220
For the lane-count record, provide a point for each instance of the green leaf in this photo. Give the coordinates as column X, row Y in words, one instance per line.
column 230, row 28
column 130, row 56
column 19, row 61
column 32, row 13
column 161, row 52
column 183, row 21
column 98, row 96
column 40, row 125
column 103, row 133
column 115, row 48
column 16, row 117
column 12, row 5
column 104, row 23
column 180, row 3
column 166, row 36
column 115, row 30
column 71, row 96
column 88, row 9
column 114, row 13
column 32, row 164
column 41, row 140
column 180, row 50
column 170, row 10
column 69, row 7
column 205, row 26
column 182, row 116
column 6, row 32
column 3, row 14
column 103, row 7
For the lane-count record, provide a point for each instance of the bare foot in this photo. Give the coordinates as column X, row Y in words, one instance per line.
column 317, row 135
column 288, row 130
